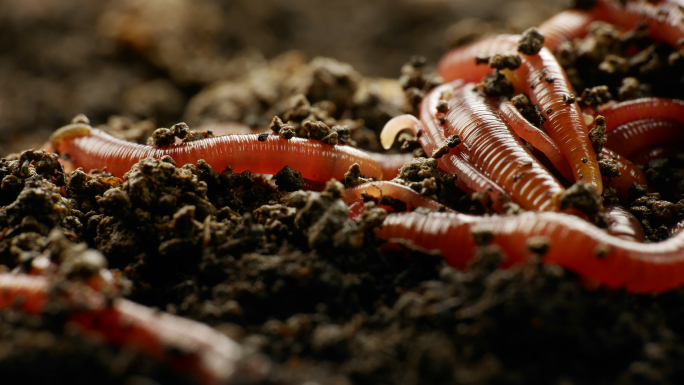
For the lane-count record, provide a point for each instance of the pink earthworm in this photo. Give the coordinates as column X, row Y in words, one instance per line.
column 569, row 242
column 565, row 26
column 398, row 191
column 629, row 174
column 643, row 108
column 200, row 351
column 632, row 137
column 536, row 137
column 93, row 149
column 565, row 123
column 622, row 224
column 461, row 63
column 663, row 20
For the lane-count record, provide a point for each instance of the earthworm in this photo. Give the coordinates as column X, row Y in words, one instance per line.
column 492, row 148
column 622, row 224
column 643, row 108
column 389, row 163
column 629, row 174
column 460, row 62
column 536, row 137
column 565, row 124
column 565, row 26
column 663, row 20
column 209, row 356
column 563, row 239
column 398, row 191
column 629, row 138
column 92, row 149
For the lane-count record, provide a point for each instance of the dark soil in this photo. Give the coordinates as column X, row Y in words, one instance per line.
column 281, row 270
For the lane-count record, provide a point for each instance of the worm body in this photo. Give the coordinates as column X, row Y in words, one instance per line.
column 202, row 352
column 550, row 89
column 571, row 242
column 644, row 108
column 629, row 174
column 632, row 137
column 663, row 20
column 622, row 224
column 315, row 160
column 390, row 189
column 565, row 26
column 536, row 137
column 461, row 63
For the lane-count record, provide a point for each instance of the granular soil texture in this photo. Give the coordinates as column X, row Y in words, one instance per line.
column 285, row 271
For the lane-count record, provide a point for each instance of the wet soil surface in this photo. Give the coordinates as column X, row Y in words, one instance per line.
column 281, row 270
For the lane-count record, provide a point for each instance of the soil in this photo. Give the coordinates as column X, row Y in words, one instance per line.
column 281, row 270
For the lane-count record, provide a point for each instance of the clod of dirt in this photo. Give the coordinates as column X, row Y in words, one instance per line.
column 531, row 42
column 289, row 179
column 582, row 199
column 354, row 177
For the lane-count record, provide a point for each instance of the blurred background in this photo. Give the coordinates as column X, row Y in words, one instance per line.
column 158, row 60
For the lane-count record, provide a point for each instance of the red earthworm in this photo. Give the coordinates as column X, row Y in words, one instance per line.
column 494, row 149
column 460, row 62
column 200, row 351
column 622, row 224
column 431, row 136
column 643, row 108
column 551, row 90
column 663, row 20
column 629, row 174
column 631, row 137
column 390, row 189
column 90, row 148
column 536, row 137
column 390, row 163
column 572, row 243
column 565, row 26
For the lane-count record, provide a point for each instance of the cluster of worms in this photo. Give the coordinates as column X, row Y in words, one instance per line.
column 479, row 139
column 486, row 142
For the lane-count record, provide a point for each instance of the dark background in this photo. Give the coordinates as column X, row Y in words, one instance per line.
column 146, row 59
